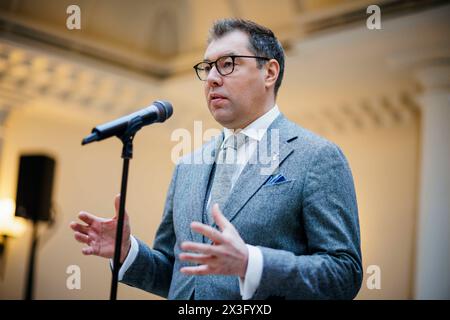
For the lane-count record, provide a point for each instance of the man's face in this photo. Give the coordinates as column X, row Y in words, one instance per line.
column 237, row 99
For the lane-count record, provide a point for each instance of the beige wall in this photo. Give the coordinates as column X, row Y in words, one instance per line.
column 384, row 163
column 86, row 178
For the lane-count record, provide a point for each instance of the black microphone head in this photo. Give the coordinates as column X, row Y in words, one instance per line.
column 165, row 110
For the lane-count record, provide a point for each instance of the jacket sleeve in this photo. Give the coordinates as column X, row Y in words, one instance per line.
column 152, row 269
column 332, row 267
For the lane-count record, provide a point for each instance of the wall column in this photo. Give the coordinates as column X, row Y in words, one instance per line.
column 432, row 270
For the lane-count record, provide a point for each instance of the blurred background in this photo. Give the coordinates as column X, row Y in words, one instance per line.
column 383, row 95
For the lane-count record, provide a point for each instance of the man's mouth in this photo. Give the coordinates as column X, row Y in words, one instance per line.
column 216, row 96
column 215, row 99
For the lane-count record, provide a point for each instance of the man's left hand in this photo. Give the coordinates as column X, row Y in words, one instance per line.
column 228, row 255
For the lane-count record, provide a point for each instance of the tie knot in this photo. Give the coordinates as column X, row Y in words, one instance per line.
column 235, row 141
column 228, row 151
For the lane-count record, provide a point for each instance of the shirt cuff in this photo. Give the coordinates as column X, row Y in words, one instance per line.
column 132, row 254
column 253, row 274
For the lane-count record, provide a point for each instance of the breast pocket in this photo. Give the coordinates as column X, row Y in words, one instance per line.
column 277, row 188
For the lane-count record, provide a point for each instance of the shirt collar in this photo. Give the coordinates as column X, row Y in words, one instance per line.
column 257, row 128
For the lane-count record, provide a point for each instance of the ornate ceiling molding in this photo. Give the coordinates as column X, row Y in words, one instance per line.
column 385, row 110
column 33, row 70
column 27, row 75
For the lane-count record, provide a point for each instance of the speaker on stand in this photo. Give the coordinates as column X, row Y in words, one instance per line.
column 33, row 202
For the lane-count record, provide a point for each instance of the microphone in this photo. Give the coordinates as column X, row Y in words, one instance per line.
column 158, row 111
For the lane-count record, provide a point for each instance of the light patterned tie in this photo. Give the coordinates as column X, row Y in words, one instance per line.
column 226, row 165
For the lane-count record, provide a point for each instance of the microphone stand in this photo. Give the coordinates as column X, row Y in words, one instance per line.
column 127, row 153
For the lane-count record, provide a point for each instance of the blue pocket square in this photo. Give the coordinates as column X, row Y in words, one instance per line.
column 276, row 179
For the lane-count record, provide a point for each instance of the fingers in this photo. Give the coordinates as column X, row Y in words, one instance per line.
column 207, row 231
column 196, row 258
column 197, row 270
column 87, row 217
column 200, row 248
column 80, row 237
column 87, row 251
column 117, row 206
column 83, row 238
column 81, row 232
column 79, row 227
column 219, row 218
column 117, row 203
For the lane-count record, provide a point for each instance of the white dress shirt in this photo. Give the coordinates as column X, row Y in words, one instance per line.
column 254, row 131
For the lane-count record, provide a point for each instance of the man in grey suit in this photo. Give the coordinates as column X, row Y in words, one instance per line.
column 265, row 210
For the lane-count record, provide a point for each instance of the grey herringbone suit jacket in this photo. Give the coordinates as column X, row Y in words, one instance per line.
column 306, row 226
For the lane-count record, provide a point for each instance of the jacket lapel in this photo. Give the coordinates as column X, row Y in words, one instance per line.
column 272, row 150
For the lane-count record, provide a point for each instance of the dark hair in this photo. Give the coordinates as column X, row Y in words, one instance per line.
column 261, row 39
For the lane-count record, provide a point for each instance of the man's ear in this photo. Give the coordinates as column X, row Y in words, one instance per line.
column 272, row 72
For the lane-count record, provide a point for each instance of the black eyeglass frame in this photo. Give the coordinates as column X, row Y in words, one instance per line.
column 233, row 57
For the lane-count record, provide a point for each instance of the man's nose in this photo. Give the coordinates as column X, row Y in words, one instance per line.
column 214, row 78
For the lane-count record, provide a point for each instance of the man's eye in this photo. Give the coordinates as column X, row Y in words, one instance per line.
column 207, row 68
column 227, row 64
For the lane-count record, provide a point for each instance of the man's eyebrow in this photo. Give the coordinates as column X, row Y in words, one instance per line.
column 230, row 53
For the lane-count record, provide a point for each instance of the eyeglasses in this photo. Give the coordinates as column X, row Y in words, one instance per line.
column 224, row 65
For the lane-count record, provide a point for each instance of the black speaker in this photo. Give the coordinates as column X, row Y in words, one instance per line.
column 34, row 187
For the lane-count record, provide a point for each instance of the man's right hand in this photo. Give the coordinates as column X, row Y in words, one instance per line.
column 99, row 234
